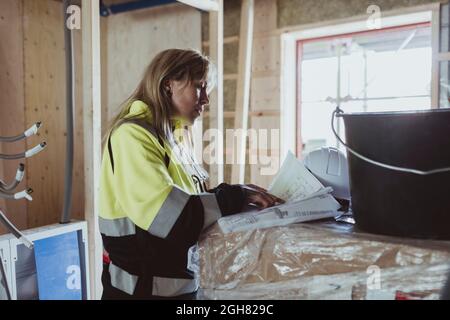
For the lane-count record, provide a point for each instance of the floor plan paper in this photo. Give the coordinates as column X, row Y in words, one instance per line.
column 294, row 181
column 323, row 206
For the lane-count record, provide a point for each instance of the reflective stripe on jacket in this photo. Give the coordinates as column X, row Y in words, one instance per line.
column 151, row 213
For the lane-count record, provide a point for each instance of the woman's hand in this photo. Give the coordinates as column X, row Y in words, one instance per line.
column 259, row 196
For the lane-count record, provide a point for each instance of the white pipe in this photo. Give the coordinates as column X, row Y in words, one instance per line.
column 33, row 130
column 35, row 150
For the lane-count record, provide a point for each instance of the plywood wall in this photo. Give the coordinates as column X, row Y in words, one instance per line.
column 12, row 115
column 45, row 100
column 36, row 92
column 265, row 93
column 32, row 82
column 132, row 39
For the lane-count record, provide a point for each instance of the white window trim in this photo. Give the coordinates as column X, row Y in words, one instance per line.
column 288, row 79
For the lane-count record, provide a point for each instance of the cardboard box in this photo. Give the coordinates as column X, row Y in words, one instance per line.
column 323, row 260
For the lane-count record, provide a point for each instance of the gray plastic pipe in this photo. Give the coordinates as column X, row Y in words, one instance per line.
column 18, row 179
column 31, row 131
column 26, row 154
column 24, row 194
column 19, row 235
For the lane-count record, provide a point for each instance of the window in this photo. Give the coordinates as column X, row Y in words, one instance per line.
column 379, row 70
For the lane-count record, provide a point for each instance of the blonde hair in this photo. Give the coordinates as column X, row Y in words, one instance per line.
column 172, row 64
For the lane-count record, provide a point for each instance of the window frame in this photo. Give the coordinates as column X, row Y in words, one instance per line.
column 301, row 43
column 291, row 53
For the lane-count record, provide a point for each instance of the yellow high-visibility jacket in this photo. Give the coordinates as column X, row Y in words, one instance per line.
column 151, row 211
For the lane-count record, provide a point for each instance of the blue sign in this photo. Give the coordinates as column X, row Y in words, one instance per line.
column 58, row 267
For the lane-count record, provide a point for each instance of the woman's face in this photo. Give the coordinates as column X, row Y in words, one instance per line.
column 189, row 99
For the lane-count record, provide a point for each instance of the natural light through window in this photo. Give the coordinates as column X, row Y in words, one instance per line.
column 378, row 71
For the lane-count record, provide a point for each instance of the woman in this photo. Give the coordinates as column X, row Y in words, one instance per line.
column 153, row 204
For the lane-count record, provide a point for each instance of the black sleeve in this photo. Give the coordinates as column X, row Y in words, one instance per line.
column 194, row 217
column 191, row 222
column 231, row 198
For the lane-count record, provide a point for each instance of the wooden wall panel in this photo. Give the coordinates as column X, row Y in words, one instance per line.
column 32, row 79
column 265, row 16
column 12, row 115
column 44, row 101
column 265, row 93
column 266, row 55
column 263, row 172
column 132, row 39
column 44, row 64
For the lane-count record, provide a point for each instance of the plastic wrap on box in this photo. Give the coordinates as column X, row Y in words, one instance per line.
column 418, row 282
column 305, row 261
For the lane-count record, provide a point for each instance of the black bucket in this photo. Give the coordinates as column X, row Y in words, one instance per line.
column 397, row 203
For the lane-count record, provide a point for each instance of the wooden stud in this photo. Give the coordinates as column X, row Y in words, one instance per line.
column 265, row 93
column 266, row 55
column 268, row 157
column 444, row 56
column 216, row 98
column 230, row 76
column 243, row 88
column 92, row 137
column 226, row 40
column 265, row 16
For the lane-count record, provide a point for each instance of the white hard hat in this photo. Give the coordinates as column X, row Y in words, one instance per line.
column 329, row 166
